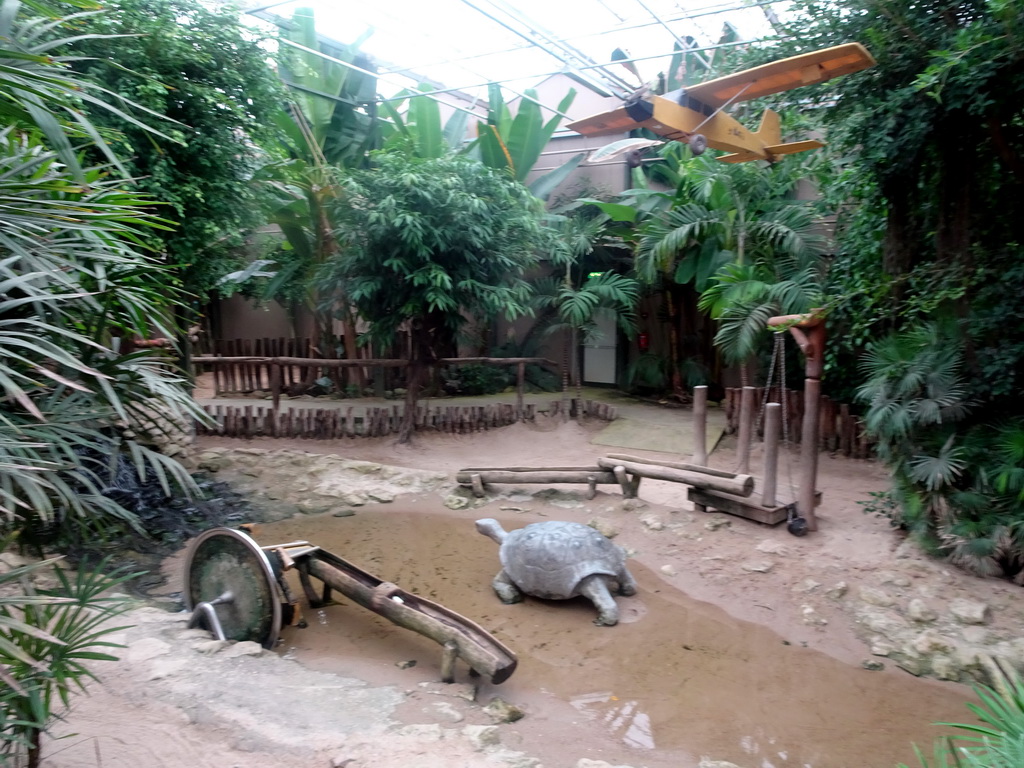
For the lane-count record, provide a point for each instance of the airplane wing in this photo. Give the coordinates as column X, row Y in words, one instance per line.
column 783, row 75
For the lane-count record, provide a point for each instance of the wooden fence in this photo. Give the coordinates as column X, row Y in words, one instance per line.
column 337, row 423
column 273, row 374
column 839, row 430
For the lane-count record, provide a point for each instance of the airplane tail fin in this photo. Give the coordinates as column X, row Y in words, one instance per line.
column 770, row 130
column 770, row 133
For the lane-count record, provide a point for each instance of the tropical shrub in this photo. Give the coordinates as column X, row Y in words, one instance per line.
column 998, row 742
column 957, row 483
column 46, row 639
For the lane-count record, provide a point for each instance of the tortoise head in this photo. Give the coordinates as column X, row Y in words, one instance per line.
column 491, row 528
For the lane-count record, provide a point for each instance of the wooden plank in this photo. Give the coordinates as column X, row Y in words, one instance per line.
column 750, row 509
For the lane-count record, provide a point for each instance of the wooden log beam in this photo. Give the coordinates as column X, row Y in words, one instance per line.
column 582, row 475
column 675, row 465
column 741, row 485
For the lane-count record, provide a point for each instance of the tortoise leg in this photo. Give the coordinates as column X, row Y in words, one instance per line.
column 595, row 589
column 507, row 591
column 627, row 584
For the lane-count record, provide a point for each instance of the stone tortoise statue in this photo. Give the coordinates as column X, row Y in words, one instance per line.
column 558, row 560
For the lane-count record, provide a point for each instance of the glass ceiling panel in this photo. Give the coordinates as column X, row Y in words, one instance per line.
column 464, row 44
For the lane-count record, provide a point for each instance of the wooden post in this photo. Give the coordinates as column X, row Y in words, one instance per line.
column 772, row 423
column 520, row 389
column 700, row 425
column 275, row 385
column 746, row 429
column 809, row 332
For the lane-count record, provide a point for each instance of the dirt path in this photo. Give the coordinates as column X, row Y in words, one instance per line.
column 178, row 701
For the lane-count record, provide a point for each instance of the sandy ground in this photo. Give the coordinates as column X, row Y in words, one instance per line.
column 141, row 716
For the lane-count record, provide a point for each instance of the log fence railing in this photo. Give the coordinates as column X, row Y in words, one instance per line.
column 336, row 423
column 248, row 373
column 840, row 431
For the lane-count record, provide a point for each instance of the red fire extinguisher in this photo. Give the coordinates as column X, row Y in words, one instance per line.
column 643, row 341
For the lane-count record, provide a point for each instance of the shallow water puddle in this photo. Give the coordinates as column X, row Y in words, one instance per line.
column 676, row 680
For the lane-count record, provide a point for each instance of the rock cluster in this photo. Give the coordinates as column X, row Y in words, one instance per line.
column 283, row 483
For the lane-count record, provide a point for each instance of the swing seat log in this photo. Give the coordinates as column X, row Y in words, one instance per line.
column 740, row 485
column 706, row 500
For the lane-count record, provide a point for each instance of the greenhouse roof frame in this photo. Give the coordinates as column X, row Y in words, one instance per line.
column 494, row 41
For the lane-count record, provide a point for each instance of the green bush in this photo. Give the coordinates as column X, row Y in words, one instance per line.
column 957, row 482
column 47, row 638
column 478, row 380
column 998, row 742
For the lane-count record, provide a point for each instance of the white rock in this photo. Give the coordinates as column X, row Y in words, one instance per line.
column 758, row 566
column 807, row 585
column 931, row 641
column 918, row 610
column 838, row 591
column 147, row 648
column 970, row 611
column 448, row 712
column 705, row 763
column 604, row 527
column 244, row 648
column 482, row 736
column 770, row 547
column 422, row 731
column 668, row 570
column 811, row 616
column 975, row 635
column 209, row 647
column 653, row 522
column 456, row 502
column 878, row 597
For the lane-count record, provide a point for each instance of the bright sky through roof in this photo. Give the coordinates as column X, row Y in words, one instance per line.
column 465, row 44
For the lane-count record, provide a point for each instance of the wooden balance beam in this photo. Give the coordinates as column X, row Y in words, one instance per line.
column 687, row 474
column 476, row 477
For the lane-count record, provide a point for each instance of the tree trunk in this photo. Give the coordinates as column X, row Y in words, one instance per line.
column 35, row 749
column 956, row 184
column 566, row 360
column 423, row 335
column 900, row 243
column 674, row 319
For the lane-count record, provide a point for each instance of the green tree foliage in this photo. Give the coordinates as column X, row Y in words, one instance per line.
column 735, row 235
column 72, row 277
column 328, row 125
column 427, row 241
column 931, row 234
column 198, row 66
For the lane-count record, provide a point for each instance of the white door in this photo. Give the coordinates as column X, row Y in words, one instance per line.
column 599, row 352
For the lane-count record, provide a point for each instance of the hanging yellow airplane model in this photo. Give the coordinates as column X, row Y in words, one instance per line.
column 695, row 115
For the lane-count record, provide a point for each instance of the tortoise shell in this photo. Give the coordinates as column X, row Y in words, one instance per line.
column 550, row 559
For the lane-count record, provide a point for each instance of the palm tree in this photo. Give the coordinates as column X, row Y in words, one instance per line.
column 734, row 231
column 576, row 300
column 328, row 127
